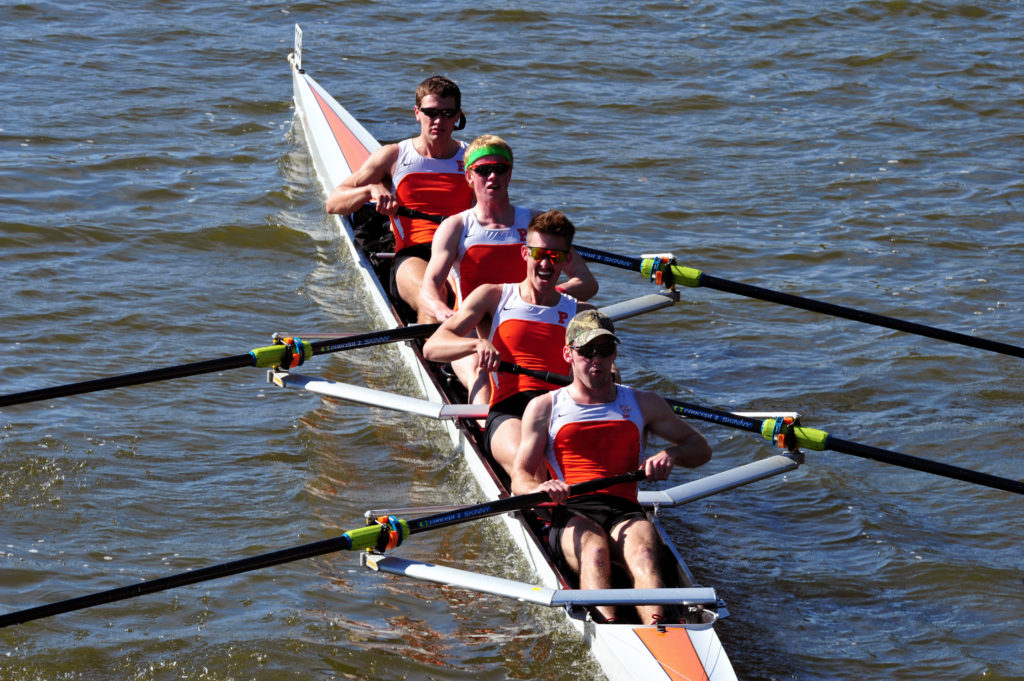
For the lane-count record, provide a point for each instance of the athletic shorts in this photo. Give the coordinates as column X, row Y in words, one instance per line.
column 607, row 510
column 509, row 408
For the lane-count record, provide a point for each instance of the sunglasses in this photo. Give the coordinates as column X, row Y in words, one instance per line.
column 485, row 169
column 432, row 113
column 588, row 351
column 553, row 254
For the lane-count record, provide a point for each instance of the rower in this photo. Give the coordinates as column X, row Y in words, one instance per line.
column 424, row 173
column 596, row 428
column 522, row 323
column 483, row 245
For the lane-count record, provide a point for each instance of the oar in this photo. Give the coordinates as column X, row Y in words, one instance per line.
column 667, row 272
column 819, row 440
column 291, row 352
column 808, row 438
column 387, row 533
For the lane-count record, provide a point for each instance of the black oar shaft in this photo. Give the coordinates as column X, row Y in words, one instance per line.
column 123, row 380
column 856, row 315
column 259, row 357
column 362, row 538
column 698, row 278
column 924, row 465
column 362, row 340
column 340, row 543
column 516, row 503
column 817, row 439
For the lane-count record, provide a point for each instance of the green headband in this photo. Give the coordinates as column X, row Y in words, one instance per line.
column 489, row 150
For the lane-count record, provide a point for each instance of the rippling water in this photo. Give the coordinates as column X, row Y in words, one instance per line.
column 156, row 209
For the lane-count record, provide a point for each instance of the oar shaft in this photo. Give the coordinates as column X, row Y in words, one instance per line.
column 358, row 539
column 181, row 579
column 363, row 340
column 124, row 380
column 516, row 503
column 812, row 438
column 862, row 316
column 924, row 465
column 694, row 277
column 268, row 356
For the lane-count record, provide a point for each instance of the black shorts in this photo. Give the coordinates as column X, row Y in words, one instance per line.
column 509, row 408
column 607, row 510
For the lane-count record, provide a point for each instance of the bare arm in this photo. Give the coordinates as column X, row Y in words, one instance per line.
column 581, row 284
column 528, row 471
column 443, row 252
column 449, row 342
column 369, row 183
column 688, row 447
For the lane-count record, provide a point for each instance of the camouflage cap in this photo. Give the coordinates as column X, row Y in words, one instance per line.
column 588, row 325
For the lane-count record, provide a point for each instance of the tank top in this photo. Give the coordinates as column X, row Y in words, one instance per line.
column 531, row 336
column 489, row 256
column 587, row 441
column 431, row 185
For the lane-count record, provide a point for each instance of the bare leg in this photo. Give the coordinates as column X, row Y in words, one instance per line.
column 637, row 542
column 585, row 547
column 409, row 281
column 476, row 381
column 505, row 442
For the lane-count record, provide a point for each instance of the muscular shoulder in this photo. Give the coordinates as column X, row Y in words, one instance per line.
column 539, row 408
column 486, row 296
column 379, row 166
column 652, row 405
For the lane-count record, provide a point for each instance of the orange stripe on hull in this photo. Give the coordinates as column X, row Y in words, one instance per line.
column 674, row 652
column 352, row 149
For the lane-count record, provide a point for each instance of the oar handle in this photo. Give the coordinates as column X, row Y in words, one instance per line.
column 516, row 503
column 413, row 213
column 546, row 376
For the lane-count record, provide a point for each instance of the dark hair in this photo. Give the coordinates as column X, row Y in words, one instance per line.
column 441, row 87
column 554, row 223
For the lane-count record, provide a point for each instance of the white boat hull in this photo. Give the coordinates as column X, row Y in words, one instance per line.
column 338, row 144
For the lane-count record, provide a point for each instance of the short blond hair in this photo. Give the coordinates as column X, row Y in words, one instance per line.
column 484, row 141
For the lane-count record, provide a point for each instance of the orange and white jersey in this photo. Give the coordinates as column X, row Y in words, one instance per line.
column 489, row 256
column 587, row 441
column 531, row 336
column 430, row 185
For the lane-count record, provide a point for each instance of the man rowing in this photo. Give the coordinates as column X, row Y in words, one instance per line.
column 522, row 323
column 482, row 245
column 595, row 428
column 424, row 173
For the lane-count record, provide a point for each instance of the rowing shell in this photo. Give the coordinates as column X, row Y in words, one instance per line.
column 338, row 145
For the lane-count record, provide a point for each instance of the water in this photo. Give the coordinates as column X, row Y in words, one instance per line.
column 157, row 210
